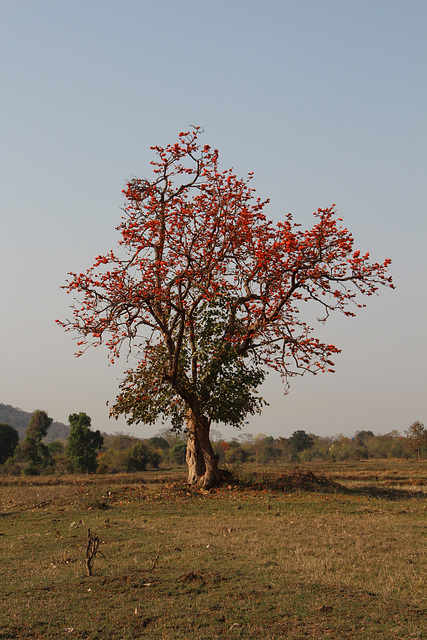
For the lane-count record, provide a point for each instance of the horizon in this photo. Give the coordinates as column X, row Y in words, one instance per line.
column 324, row 102
column 216, row 432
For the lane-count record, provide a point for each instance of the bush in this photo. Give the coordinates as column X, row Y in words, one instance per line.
column 178, row 453
column 112, row 461
column 138, row 457
column 236, row 453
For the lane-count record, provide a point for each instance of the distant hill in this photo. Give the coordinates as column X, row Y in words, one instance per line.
column 19, row 420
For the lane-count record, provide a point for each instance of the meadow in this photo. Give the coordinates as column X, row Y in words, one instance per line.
column 334, row 551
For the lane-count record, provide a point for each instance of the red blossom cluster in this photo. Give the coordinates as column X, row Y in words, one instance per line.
column 195, row 236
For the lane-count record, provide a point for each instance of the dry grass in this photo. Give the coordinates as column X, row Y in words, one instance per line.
column 257, row 561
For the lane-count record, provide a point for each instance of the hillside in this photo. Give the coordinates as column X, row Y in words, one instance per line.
column 20, row 420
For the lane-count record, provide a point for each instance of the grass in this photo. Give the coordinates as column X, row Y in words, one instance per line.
column 268, row 559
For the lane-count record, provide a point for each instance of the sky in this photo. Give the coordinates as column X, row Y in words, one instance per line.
column 325, row 101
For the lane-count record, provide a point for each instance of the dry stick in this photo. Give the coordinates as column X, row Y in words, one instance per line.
column 91, row 549
column 155, row 559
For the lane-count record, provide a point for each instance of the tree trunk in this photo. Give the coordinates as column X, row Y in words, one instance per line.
column 212, row 475
column 201, row 459
column 194, row 455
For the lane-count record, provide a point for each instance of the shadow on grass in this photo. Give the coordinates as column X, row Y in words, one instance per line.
column 384, row 492
column 297, row 479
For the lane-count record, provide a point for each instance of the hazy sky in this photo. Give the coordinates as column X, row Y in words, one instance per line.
column 325, row 100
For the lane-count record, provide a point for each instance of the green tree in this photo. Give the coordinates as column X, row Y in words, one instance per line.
column 178, row 453
column 138, row 457
column 9, row 440
column 361, row 437
column 265, row 449
column 82, row 443
column 56, row 447
column 300, row 440
column 33, row 451
column 38, row 427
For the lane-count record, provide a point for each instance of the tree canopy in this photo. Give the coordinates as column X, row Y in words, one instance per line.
column 33, row 450
column 9, row 440
column 208, row 294
column 300, row 440
column 82, row 443
column 417, row 437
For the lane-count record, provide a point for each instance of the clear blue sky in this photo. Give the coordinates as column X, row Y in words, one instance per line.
column 325, row 100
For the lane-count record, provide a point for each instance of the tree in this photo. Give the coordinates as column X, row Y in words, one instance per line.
column 9, row 439
column 138, row 457
column 265, row 449
column 417, row 438
column 206, row 293
column 300, row 440
column 33, row 451
column 235, row 453
column 38, row 427
column 361, row 437
column 82, row 443
column 178, row 453
column 157, row 442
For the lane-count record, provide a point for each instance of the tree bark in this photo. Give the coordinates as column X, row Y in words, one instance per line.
column 201, row 459
column 212, row 475
column 194, row 456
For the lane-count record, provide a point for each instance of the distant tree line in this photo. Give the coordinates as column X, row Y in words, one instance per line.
column 308, row 447
column 84, row 450
column 88, row 451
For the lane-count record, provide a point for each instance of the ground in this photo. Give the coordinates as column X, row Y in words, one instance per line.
column 333, row 553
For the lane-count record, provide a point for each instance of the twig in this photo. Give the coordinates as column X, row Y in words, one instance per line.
column 91, row 549
column 156, row 558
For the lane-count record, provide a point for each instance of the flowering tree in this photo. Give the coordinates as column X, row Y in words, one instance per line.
column 206, row 292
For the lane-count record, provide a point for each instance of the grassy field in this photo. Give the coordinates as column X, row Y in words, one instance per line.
column 332, row 552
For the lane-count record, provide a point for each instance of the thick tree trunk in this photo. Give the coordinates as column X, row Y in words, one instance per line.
column 194, row 455
column 212, row 475
column 201, row 459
